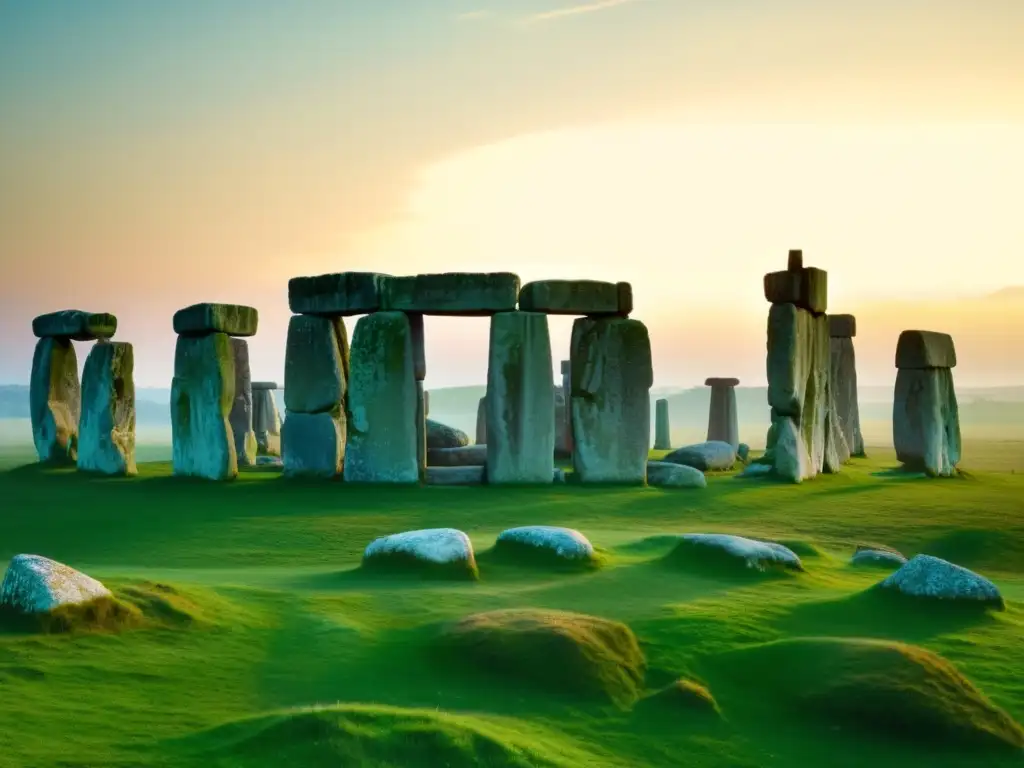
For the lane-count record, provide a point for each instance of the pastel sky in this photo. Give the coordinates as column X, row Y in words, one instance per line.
column 154, row 155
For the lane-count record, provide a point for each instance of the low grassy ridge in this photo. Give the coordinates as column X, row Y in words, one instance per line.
column 243, row 630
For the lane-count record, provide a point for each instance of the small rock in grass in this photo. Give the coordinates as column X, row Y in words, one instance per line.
column 35, row 584
column 757, row 555
column 664, row 474
column 710, row 455
column 877, row 556
column 755, row 471
column 743, row 452
column 934, row 578
column 447, row 549
column 564, row 543
column 441, row 436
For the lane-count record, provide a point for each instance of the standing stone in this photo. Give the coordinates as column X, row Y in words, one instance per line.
column 266, row 419
column 421, row 431
column 241, row 416
column 842, row 329
column 925, row 413
column 314, row 444
column 202, row 396
column 426, row 404
column 106, row 444
column 481, row 421
column 55, row 399
column 612, row 376
column 520, row 400
column 662, row 432
column 561, row 422
column 723, row 417
column 567, row 446
column 419, row 349
column 382, row 402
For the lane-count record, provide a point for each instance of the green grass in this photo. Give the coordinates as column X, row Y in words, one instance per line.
column 243, row 631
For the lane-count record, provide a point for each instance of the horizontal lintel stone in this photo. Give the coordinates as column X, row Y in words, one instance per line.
column 203, row 319
column 336, row 295
column 470, row 294
column 842, row 326
column 577, row 297
column 76, row 325
column 806, row 287
column 925, row 349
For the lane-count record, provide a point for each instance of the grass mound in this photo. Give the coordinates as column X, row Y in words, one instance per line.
column 684, row 695
column 715, row 562
column 379, row 737
column 142, row 605
column 879, row 686
column 405, row 565
column 562, row 652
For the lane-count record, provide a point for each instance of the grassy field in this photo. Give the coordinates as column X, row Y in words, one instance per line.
column 258, row 642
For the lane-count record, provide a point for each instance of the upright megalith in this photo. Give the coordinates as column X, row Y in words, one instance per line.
column 241, row 416
column 266, row 419
column 481, row 421
column 925, row 414
column 612, row 376
column 382, row 402
column 662, row 431
column 316, row 373
column 561, row 422
column 723, row 417
column 203, row 388
column 564, row 446
column 520, row 400
column 106, row 443
column 842, row 329
column 802, row 441
column 421, row 431
column 55, row 396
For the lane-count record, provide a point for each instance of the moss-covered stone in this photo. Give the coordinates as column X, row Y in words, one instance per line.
column 316, row 364
column 925, row 349
column 577, row 297
column 203, row 319
column 106, row 443
column 266, row 422
column 76, row 325
column 806, row 288
column 55, row 401
column 313, row 444
column 452, row 293
column 241, row 416
column 926, row 421
column 336, row 295
column 842, row 326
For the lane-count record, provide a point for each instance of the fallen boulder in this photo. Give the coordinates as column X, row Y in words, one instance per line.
column 933, row 578
column 663, row 474
column 708, row 456
column 441, row 551
column 35, row 584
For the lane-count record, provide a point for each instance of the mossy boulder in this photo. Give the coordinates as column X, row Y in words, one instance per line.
column 433, row 552
column 934, row 579
column 726, row 554
column 545, row 545
column 36, row 584
column 441, row 436
column 566, row 653
column 202, row 319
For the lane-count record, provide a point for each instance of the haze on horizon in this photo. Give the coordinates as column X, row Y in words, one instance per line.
column 157, row 155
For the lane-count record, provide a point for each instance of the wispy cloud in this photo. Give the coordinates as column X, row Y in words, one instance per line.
column 470, row 15
column 576, row 10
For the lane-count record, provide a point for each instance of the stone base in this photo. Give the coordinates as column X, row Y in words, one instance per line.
column 926, row 421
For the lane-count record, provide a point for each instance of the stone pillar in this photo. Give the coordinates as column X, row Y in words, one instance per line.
column 611, row 404
column 203, row 388
column 520, row 400
column 662, row 431
column 925, row 414
column 561, row 421
column 563, row 446
column 266, row 419
column 799, row 364
column 55, row 395
column 842, row 329
column 241, row 414
column 316, row 373
column 419, row 362
column 723, row 418
column 382, row 402
column 481, row 421
column 106, row 442
column 421, row 431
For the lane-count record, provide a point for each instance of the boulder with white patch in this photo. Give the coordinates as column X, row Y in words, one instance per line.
column 439, row 550
column 664, row 474
column 560, row 543
column 35, row 584
column 877, row 556
column 739, row 550
column 713, row 455
column 933, row 578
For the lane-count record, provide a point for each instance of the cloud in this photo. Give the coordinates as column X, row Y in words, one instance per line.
column 576, row 10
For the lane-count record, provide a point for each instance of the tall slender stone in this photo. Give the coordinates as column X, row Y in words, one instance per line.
column 612, row 376
column 842, row 329
column 566, row 447
column 662, row 431
column 382, row 402
column 421, row 431
column 481, row 421
column 266, row 419
column 55, row 400
column 723, row 417
column 520, row 400
column 241, row 416
column 106, row 442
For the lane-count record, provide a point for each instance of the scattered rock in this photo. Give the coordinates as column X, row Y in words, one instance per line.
column 930, row 577
column 106, row 444
column 561, row 543
column 202, row 319
column 35, row 584
column 663, row 474
column 269, row 461
column 469, row 475
column 336, row 295
column 732, row 551
column 756, row 471
column 743, row 452
column 709, row 456
column 464, row 456
column 444, row 551
column 452, row 293
column 55, row 401
column 877, row 556
column 76, row 325
column 577, row 297
column 441, row 436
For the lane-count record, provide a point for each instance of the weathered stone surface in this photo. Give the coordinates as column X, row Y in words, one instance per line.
column 563, row 442
column 723, row 415
column 926, row 421
column 756, row 472
column 662, row 431
column 421, row 431
column 520, row 400
column 713, row 455
column 202, row 394
column 452, row 293
column 925, row 349
column 806, row 288
column 664, row 474
column 426, row 404
column 382, row 402
column 611, row 404
column 869, row 556
column 577, row 297
column 35, row 584
column 791, row 459
column 266, row 422
column 106, row 443
column 313, row 444
column 270, row 461
column 463, row 456
column 202, row 319
column 264, row 385
column 933, row 578
column 837, row 450
column 443, row 436
column 842, row 326
column 419, row 350
column 465, row 475
column 55, row 400
column 241, row 416
column 754, row 554
column 844, row 392
column 336, row 295
column 481, row 422
column 566, row 543
column 743, row 452
column 316, row 364
column 440, row 546
column 715, row 381
column 565, row 447
column 76, row 325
